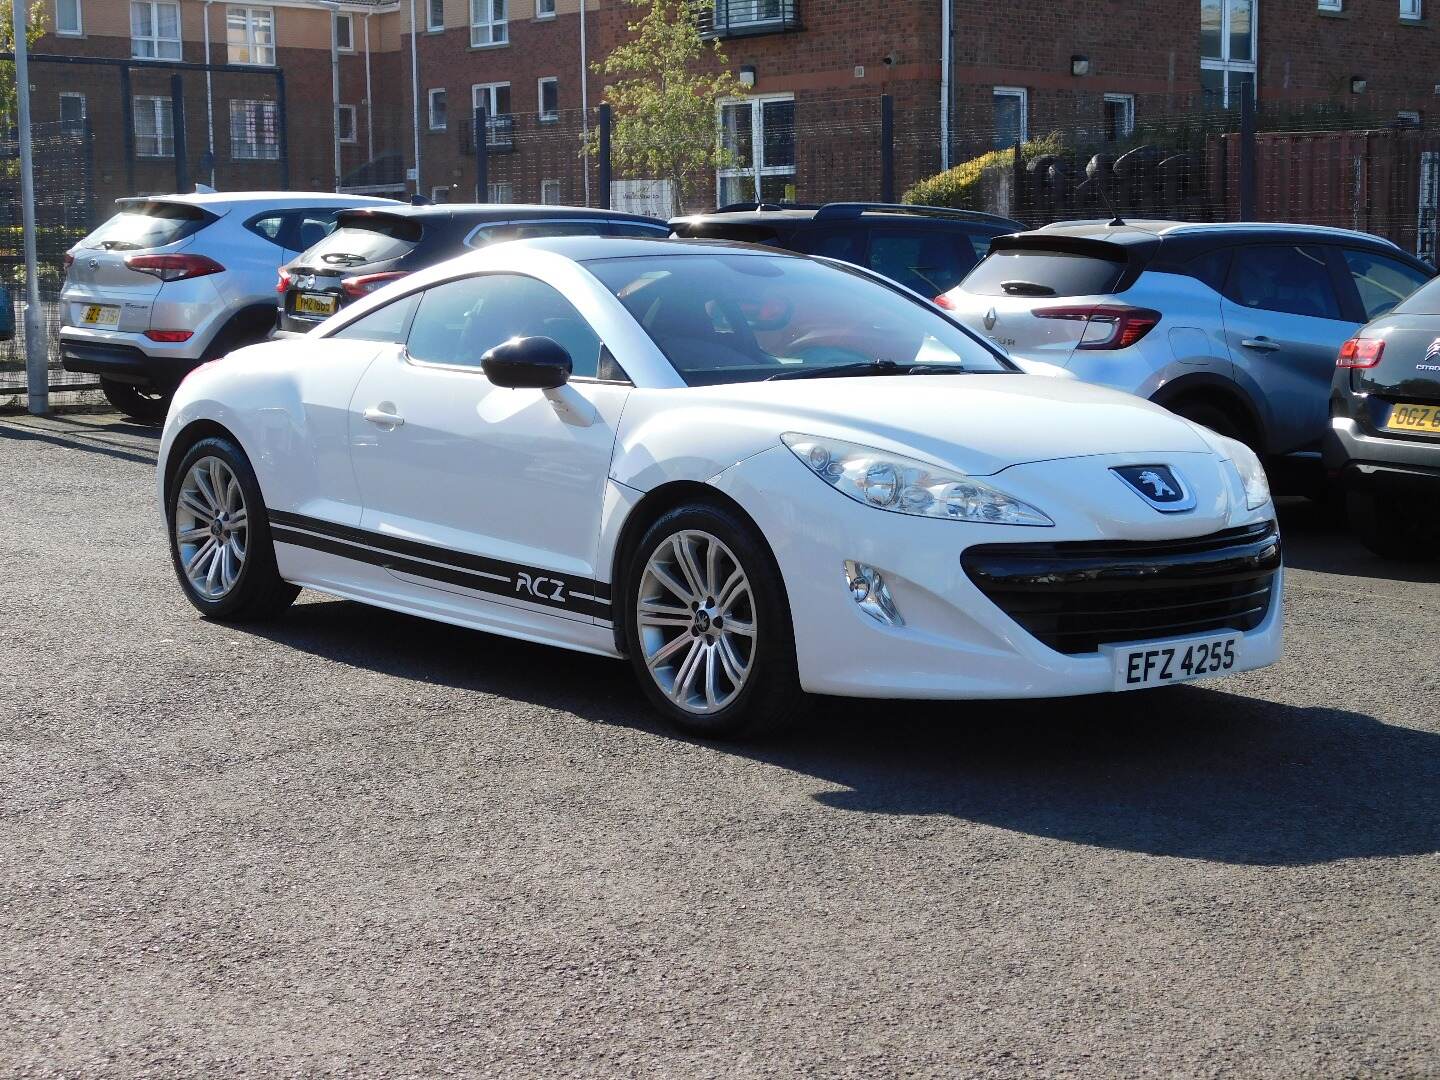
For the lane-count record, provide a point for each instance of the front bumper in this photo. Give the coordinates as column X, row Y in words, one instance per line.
column 956, row 642
column 1364, row 460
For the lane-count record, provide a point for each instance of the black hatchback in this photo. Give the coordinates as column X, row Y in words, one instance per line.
column 928, row 249
column 1383, row 443
column 371, row 248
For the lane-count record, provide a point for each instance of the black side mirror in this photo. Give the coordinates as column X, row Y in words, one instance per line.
column 538, row 363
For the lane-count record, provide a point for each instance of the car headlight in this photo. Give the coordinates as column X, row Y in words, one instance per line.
column 1252, row 474
column 903, row 485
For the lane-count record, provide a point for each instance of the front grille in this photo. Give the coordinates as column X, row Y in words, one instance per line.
column 1075, row 597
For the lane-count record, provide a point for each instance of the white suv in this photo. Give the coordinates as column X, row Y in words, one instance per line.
column 174, row 280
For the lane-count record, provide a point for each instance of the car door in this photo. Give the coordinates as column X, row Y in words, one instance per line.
column 488, row 492
column 1284, row 324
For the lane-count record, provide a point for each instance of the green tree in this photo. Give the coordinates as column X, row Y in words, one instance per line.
column 33, row 31
column 666, row 83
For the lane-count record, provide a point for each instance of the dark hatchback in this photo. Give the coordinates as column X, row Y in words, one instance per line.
column 369, row 249
column 1383, row 443
column 927, row 249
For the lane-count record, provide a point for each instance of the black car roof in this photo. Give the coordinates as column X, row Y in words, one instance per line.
column 771, row 213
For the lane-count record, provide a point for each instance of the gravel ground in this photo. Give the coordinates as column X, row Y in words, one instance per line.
column 355, row 843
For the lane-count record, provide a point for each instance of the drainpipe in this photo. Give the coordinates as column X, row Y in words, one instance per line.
column 335, row 92
column 415, row 92
column 209, row 97
column 584, row 100
column 369, row 99
column 945, row 17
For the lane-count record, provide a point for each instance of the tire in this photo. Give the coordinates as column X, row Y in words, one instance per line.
column 1212, row 417
column 238, row 581
column 143, row 403
column 1391, row 527
column 711, row 701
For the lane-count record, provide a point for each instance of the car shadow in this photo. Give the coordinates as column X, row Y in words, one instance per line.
column 92, row 438
column 1189, row 772
column 1316, row 538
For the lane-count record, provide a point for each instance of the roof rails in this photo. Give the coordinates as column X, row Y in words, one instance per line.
column 841, row 211
column 764, row 207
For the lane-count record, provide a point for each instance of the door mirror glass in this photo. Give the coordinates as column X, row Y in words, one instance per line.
column 539, row 363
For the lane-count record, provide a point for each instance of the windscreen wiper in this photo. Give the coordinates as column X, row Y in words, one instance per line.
column 869, row 367
column 1026, row 288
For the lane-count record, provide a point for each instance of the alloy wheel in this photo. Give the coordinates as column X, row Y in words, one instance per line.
column 211, row 527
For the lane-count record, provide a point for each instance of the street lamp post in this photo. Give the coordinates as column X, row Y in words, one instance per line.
column 37, row 361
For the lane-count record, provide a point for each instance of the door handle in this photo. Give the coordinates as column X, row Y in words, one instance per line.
column 383, row 418
column 1261, row 344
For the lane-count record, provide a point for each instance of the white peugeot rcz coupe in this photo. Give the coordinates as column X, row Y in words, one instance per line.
column 753, row 473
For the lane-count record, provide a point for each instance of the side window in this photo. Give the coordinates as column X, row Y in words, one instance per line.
column 1382, row 283
column 383, row 324
column 309, row 227
column 270, row 227
column 1287, row 278
column 924, row 260
column 1211, row 268
column 460, row 321
column 848, row 245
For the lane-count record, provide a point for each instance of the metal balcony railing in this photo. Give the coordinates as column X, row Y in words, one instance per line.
column 740, row 18
column 499, row 134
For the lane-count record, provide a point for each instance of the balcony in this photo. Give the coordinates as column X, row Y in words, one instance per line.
column 499, row 134
column 747, row 18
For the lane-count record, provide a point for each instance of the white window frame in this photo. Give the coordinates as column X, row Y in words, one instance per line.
column 1243, row 67
column 750, row 13
column 430, row 109
column 435, row 193
column 544, row 9
column 79, row 29
column 487, row 30
column 353, row 113
column 555, row 186
column 243, row 151
column 1023, row 95
column 1411, row 10
column 154, row 40
column 547, row 117
column 501, row 187
column 1330, row 5
column 1128, row 101
column 495, row 135
column 254, row 17
column 158, row 112
column 84, row 108
column 430, row 24
column 756, row 168
column 349, row 21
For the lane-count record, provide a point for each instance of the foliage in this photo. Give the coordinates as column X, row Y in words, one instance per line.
column 963, row 186
column 33, row 31
column 664, row 106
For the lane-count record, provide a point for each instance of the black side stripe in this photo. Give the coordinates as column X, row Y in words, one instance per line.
column 530, row 584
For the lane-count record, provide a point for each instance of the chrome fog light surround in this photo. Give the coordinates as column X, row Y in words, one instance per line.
column 871, row 594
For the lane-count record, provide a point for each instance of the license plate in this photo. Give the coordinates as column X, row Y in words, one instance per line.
column 1160, row 663
column 1424, row 419
column 315, row 304
column 100, row 315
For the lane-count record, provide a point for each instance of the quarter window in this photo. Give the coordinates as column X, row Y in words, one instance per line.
column 250, row 35
column 1382, row 283
column 1227, row 51
column 460, row 321
column 928, row 261
column 385, row 324
column 69, row 20
column 489, row 22
column 154, row 30
column 154, row 127
column 254, row 130
column 1012, row 115
column 758, row 137
column 1290, row 279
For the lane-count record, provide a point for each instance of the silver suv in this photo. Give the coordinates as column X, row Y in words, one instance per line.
column 174, row 280
column 1233, row 326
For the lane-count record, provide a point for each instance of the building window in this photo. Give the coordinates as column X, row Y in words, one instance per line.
column 494, row 98
column 1410, row 9
column 549, row 99
column 758, row 137
column 437, row 110
column 743, row 13
column 154, row 30
column 501, row 193
column 250, row 35
column 544, row 9
column 345, row 123
column 1012, row 115
column 254, row 131
column 1330, row 5
column 489, row 22
column 72, row 109
column 550, row 193
column 440, row 194
column 1119, row 116
column 344, row 32
column 1408, row 118
column 154, row 127
column 69, row 20
column 1227, row 51
column 434, row 14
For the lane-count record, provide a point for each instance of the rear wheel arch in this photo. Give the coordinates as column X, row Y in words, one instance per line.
column 1216, row 392
column 247, row 326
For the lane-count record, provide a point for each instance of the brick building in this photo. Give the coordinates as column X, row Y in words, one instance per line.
column 265, row 113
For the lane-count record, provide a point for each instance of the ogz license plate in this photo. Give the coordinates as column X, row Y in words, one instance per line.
column 315, row 304
column 1161, row 663
column 1424, row 419
column 100, row 315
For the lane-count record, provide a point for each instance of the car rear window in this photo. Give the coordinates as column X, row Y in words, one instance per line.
column 728, row 230
column 370, row 238
column 1043, row 272
column 148, row 225
column 1423, row 301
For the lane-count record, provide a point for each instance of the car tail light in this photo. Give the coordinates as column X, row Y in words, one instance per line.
column 169, row 335
column 284, row 281
column 173, row 267
column 944, row 301
column 1107, row 326
column 356, row 287
column 1360, row 353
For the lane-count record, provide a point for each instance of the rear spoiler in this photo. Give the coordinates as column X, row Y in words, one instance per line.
column 196, row 213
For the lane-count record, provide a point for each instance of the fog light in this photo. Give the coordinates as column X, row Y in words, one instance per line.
column 871, row 594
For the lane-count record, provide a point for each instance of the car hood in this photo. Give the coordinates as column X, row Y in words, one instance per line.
column 978, row 423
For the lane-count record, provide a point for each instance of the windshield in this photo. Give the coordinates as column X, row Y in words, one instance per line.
column 148, row 225
column 364, row 238
column 723, row 318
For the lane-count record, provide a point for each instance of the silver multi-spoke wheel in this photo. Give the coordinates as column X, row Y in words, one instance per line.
column 696, row 619
column 211, row 527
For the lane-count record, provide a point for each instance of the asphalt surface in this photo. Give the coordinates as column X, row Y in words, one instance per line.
column 355, row 843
